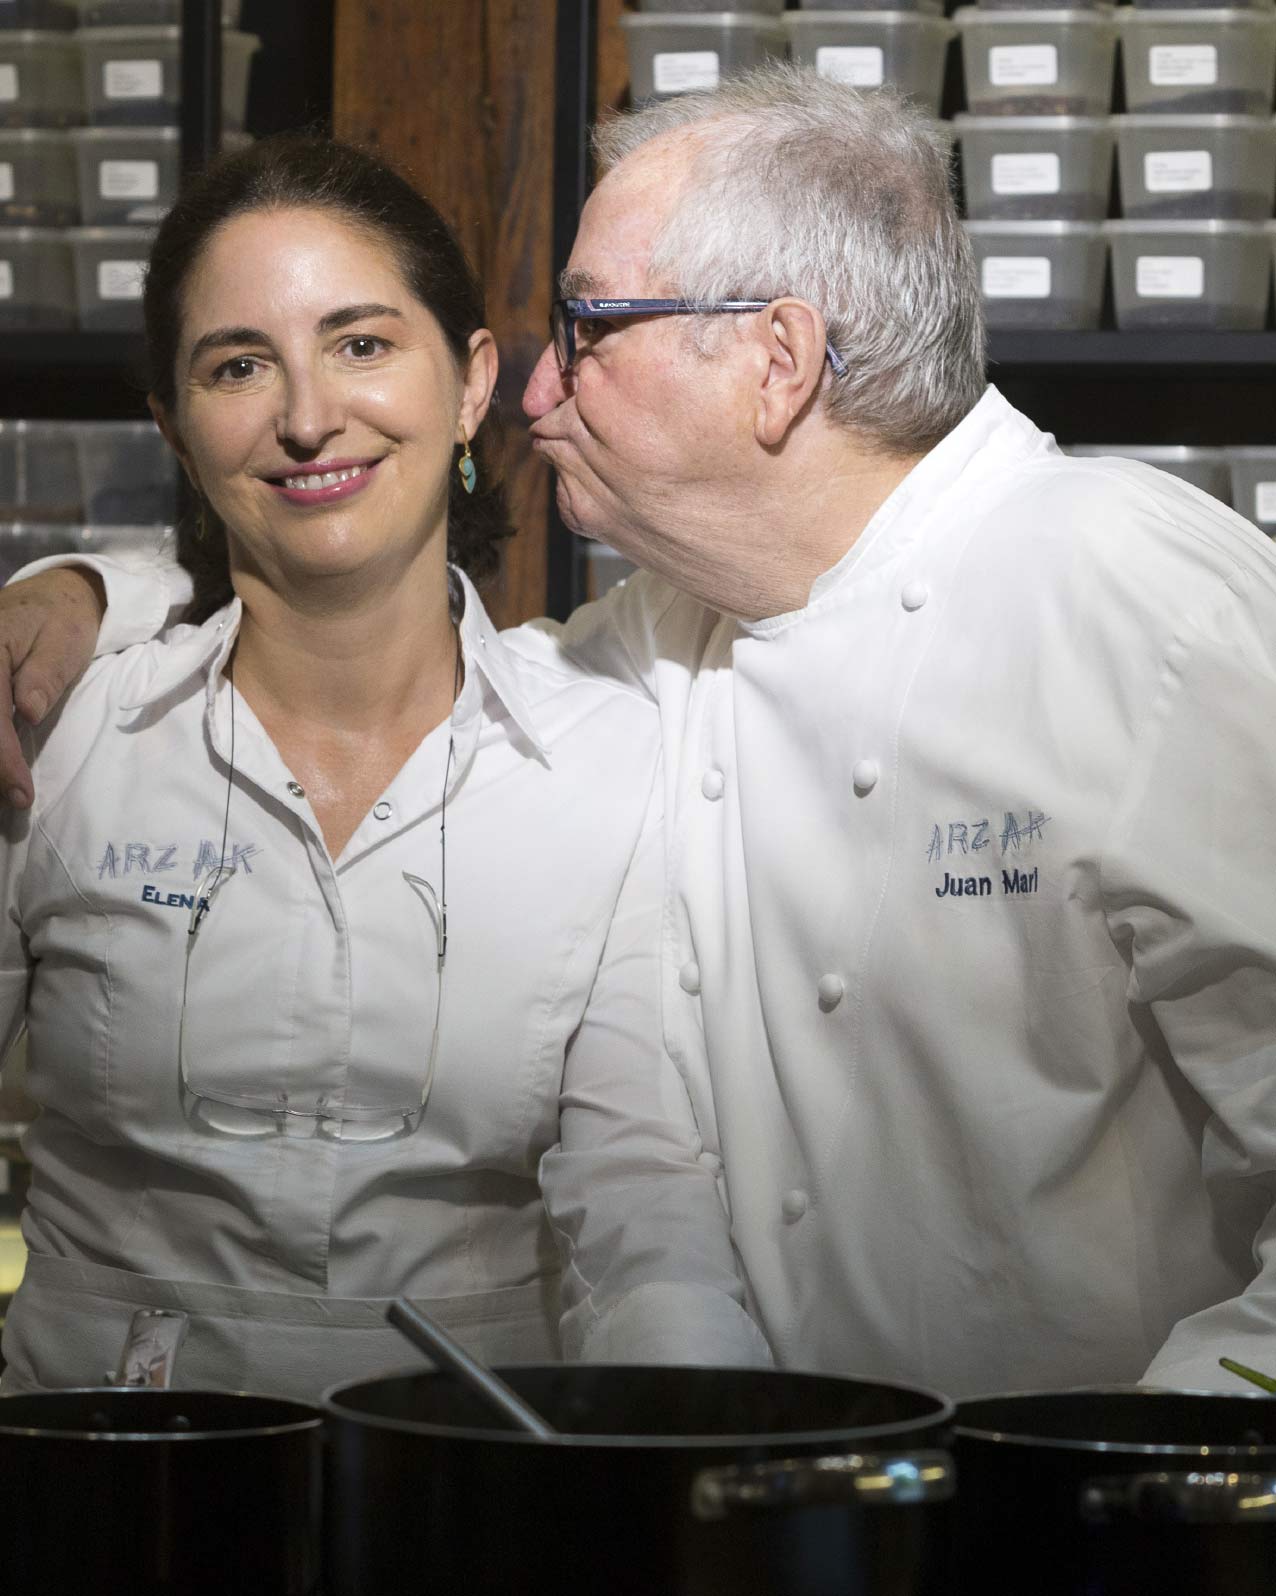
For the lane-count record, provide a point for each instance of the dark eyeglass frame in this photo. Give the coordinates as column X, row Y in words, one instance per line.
column 565, row 313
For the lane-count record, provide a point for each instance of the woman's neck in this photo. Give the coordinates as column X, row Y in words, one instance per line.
column 350, row 657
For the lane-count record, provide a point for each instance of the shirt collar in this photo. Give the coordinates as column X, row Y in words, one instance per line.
column 203, row 650
column 984, row 439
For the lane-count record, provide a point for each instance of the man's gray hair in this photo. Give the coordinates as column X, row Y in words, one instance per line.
column 805, row 187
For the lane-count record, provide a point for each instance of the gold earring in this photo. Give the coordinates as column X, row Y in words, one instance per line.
column 469, row 471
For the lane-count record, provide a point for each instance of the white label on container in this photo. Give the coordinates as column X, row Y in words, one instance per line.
column 1026, row 174
column 1171, row 64
column 133, row 80
column 120, row 279
column 128, row 179
column 674, row 72
column 6, row 180
column 1013, row 64
column 1016, row 277
column 1265, row 501
column 1178, row 171
column 1169, row 277
column 6, row 280
column 863, row 66
column 8, row 81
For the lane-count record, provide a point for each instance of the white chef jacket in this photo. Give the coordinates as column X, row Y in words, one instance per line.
column 314, row 974
column 969, row 940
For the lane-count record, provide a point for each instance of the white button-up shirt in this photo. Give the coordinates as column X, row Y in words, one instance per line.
column 971, row 958
column 315, row 975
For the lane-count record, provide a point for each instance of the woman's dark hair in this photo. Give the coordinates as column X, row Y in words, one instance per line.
column 304, row 171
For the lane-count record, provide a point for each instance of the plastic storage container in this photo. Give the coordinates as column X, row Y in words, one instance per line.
column 59, row 15
column 148, row 13
column 1210, row 275
column 24, row 541
column 40, row 82
column 1253, row 477
column 1038, row 63
column 125, row 175
column 132, row 76
column 1203, row 468
column 671, row 54
column 37, row 178
column 869, row 48
column 933, row 8
column 1040, row 274
column 127, row 473
column 37, row 283
column 1198, row 61
column 1202, row 166
column 110, row 264
column 1028, row 168
column 39, row 476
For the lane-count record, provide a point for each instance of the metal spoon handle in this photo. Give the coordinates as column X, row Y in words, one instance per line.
column 429, row 1338
column 1264, row 1381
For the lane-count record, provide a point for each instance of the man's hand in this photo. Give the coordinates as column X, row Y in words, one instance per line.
column 48, row 628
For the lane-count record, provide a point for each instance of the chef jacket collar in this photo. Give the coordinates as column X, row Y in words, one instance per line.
column 991, row 420
column 205, row 651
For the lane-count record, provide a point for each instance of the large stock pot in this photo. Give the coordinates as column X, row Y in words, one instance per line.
column 668, row 1482
column 1123, row 1492
column 160, row 1493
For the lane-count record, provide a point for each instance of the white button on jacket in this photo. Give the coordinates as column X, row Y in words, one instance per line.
column 1043, row 1135
column 319, row 975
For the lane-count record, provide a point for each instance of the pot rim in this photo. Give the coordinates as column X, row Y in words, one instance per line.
column 308, row 1416
column 1137, row 1448
column 839, row 1439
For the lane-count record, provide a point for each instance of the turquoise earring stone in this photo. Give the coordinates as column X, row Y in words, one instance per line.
column 469, row 473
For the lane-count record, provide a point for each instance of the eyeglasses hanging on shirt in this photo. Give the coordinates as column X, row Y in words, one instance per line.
column 288, row 1113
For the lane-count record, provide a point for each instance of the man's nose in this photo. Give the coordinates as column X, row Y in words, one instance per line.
column 546, row 387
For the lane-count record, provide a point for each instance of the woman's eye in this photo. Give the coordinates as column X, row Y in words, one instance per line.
column 238, row 369
column 364, row 346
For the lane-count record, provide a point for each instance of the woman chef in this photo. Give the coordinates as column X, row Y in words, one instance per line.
column 329, row 972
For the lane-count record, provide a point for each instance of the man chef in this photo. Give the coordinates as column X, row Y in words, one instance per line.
column 970, row 948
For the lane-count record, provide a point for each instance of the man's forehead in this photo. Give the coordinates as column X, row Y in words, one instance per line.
column 621, row 220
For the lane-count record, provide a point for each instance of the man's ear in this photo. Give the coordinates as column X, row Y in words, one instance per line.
column 792, row 339
column 172, row 437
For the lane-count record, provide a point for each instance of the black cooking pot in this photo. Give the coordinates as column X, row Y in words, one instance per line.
column 1117, row 1493
column 160, row 1493
column 670, row 1482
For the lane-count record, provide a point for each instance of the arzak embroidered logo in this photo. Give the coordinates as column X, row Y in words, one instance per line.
column 979, row 843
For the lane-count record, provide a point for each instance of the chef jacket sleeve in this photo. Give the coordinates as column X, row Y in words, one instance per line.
column 15, row 959
column 1189, row 879
column 649, row 1271
column 146, row 592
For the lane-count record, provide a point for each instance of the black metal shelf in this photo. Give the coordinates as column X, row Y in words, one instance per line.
column 1172, row 353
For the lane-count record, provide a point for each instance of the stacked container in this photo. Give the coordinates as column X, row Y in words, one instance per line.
column 113, row 64
column 1197, row 164
column 681, row 45
column 905, row 47
column 1036, row 148
column 67, row 485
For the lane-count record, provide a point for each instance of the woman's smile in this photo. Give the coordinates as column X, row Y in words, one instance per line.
column 324, row 482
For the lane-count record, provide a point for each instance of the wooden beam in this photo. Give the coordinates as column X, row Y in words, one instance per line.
column 461, row 97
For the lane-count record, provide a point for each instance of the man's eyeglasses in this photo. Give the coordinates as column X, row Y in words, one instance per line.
column 567, row 312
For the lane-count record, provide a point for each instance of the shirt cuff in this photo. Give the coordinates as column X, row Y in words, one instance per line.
column 673, row 1322
column 145, row 593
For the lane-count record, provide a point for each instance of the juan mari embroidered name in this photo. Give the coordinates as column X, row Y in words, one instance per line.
column 1014, row 884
